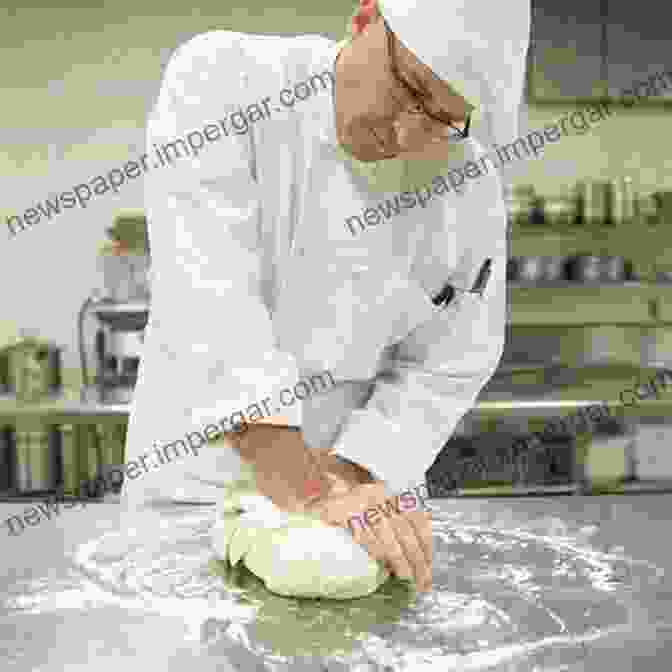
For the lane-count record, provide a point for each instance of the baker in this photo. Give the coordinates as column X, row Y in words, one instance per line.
column 258, row 281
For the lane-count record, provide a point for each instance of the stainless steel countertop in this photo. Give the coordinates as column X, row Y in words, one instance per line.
column 60, row 410
column 577, row 584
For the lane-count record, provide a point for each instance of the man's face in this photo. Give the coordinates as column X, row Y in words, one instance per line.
column 373, row 108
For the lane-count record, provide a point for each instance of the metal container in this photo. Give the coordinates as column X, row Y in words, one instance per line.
column 35, row 459
column 34, row 369
column 69, row 461
column 42, row 457
column 664, row 202
column 20, row 461
column 126, row 276
column 555, row 268
column 4, row 373
column 112, row 439
column 653, row 457
column 616, row 269
column 5, row 459
column 89, row 460
column 537, row 269
column 558, row 210
column 527, row 269
column 80, row 460
column 594, row 197
column 521, row 205
column 589, row 268
column 648, row 210
column 623, row 206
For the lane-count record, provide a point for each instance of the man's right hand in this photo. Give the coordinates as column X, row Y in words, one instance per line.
column 402, row 541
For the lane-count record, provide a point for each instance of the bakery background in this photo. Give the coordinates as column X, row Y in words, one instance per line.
column 589, row 274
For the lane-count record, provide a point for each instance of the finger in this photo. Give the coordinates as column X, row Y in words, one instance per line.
column 394, row 554
column 365, row 537
column 422, row 524
column 409, row 542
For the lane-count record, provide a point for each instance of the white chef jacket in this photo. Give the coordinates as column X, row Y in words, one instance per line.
column 257, row 283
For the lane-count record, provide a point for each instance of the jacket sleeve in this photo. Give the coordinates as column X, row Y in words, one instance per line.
column 436, row 373
column 210, row 335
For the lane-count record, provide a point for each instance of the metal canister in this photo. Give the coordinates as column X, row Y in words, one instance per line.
column 589, row 268
column 558, row 210
column 35, row 460
column 5, row 461
column 4, row 373
column 521, row 205
column 594, row 197
column 112, row 439
column 42, row 460
column 623, row 206
column 585, row 268
column 69, row 462
column 555, row 268
column 616, row 269
column 664, row 205
column 648, row 209
column 34, row 370
column 89, row 460
column 21, row 481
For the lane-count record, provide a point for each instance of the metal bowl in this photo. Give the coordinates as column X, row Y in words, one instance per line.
column 589, row 268
column 538, row 269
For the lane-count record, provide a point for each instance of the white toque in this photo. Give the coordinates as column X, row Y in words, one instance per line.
column 478, row 47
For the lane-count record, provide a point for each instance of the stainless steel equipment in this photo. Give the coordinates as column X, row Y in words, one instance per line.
column 118, row 348
column 534, row 269
column 664, row 202
column 522, row 206
column 5, row 459
column 648, row 209
column 594, row 197
column 4, row 373
column 32, row 368
column 34, row 457
column 623, row 203
column 126, row 276
column 558, row 210
column 589, row 268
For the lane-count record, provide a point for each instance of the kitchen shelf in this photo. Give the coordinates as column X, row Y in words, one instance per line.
column 644, row 245
column 634, row 487
column 60, row 410
column 590, row 304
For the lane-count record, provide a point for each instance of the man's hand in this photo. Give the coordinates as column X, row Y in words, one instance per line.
column 282, row 463
column 401, row 539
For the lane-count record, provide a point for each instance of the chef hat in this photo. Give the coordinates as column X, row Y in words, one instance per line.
column 478, row 47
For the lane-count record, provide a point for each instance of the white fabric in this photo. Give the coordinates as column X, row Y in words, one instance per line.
column 256, row 281
column 479, row 47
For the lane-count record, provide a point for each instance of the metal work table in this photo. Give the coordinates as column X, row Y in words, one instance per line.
column 575, row 584
column 60, row 410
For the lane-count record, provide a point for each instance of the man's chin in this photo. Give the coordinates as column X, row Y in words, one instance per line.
column 370, row 155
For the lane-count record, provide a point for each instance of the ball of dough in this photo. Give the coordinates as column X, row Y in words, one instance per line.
column 295, row 555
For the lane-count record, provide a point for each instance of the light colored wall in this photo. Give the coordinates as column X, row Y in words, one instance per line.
column 76, row 86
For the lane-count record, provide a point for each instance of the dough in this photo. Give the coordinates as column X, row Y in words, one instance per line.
column 295, row 555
